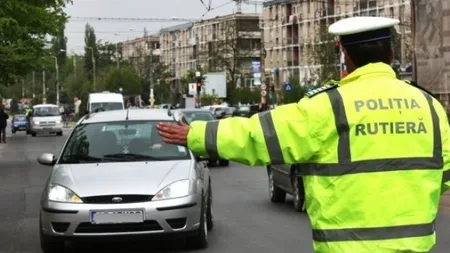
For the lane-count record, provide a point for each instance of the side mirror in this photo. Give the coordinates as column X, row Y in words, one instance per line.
column 47, row 159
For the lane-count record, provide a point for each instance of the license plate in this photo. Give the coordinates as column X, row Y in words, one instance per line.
column 47, row 129
column 115, row 217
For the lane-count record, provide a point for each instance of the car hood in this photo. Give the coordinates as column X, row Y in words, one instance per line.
column 120, row 178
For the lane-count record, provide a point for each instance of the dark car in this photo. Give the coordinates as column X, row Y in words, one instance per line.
column 246, row 111
column 284, row 179
column 224, row 112
column 19, row 123
column 203, row 115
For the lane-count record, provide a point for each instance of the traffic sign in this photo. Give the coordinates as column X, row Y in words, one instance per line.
column 263, row 87
column 287, row 86
column 263, row 93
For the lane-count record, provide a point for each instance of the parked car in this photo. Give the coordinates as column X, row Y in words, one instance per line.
column 203, row 115
column 283, row 179
column 224, row 112
column 116, row 177
column 19, row 123
column 246, row 111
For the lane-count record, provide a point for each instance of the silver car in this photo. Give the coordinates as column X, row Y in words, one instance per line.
column 116, row 178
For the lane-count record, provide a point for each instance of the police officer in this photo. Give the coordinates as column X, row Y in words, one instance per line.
column 370, row 149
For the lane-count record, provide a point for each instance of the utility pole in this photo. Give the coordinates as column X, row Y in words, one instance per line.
column 44, row 99
column 93, row 67
column 152, row 96
column 117, row 56
column 264, row 88
column 402, row 36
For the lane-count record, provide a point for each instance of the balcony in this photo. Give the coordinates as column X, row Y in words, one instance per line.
column 292, row 40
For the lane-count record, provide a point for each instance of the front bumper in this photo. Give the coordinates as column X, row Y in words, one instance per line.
column 161, row 217
column 58, row 128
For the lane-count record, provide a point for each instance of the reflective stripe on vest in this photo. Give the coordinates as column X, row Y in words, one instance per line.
column 212, row 128
column 270, row 136
column 446, row 177
column 346, row 166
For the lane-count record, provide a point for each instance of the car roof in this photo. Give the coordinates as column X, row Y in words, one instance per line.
column 44, row 105
column 133, row 115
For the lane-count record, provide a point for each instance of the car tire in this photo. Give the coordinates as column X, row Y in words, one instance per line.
column 13, row 131
column 276, row 194
column 210, row 209
column 59, row 134
column 212, row 163
column 299, row 197
column 200, row 240
column 33, row 134
column 28, row 132
column 50, row 244
column 224, row 163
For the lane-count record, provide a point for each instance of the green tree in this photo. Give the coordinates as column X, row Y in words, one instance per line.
column 59, row 46
column 294, row 95
column 90, row 41
column 245, row 95
column 24, row 25
column 325, row 54
column 124, row 78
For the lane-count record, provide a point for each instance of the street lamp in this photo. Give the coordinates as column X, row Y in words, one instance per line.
column 57, row 76
column 93, row 67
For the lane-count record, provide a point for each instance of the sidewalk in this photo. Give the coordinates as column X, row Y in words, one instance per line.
column 445, row 201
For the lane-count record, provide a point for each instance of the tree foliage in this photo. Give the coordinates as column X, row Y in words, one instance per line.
column 90, row 41
column 24, row 25
column 325, row 54
column 125, row 78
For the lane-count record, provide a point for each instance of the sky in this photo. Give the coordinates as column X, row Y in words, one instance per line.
column 121, row 30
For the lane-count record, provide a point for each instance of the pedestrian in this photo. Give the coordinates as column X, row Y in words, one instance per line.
column 3, row 124
column 373, row 150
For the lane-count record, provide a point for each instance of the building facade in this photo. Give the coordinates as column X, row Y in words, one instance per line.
column 295, row 32
column 226, row 43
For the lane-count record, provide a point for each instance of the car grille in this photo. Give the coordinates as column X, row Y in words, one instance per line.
column 108, row 199
column 88, row 228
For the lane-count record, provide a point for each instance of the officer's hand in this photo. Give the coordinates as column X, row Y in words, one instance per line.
column 173, row 133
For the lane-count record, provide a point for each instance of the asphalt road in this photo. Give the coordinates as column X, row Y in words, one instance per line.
column 245, row 219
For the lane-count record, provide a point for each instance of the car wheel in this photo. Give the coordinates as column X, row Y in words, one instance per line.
column 299, row 197
column 210, row 210
column 13, row 131
column 28, row 132
column 33, row 134
column 200, row 240
column 59, row 134
column 212, row 163
column 50, row 244
column 276, row 194
column 224, row 163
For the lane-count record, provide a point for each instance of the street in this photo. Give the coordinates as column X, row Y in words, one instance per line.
column 245, row 219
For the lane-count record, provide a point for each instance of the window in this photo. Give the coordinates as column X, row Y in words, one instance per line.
column 107, row 106
column 121, row 141
column 45, row 111
column 198, row 115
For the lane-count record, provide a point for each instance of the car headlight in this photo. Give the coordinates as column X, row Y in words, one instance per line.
column 62, row 194
column 36, row 122
column 174, row 190
column 58, row 121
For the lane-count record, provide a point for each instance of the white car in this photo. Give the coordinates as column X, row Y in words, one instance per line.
column 115, row 177
column 45, row 119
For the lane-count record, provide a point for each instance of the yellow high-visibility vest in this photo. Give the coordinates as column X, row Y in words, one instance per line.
column 373, row 151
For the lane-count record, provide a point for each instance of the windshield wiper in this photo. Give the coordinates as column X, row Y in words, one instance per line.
column 132, row 156
column 80, row 159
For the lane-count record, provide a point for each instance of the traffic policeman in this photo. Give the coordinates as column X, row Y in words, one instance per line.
column 372, row 149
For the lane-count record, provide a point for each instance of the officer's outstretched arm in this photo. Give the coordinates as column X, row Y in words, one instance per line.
column 284, row 135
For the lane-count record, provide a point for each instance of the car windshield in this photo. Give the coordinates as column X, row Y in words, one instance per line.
column 46, row 111
column 202, row 116
column 244, row 109
column 120, row 141
column 107, row 106
column 20, row 118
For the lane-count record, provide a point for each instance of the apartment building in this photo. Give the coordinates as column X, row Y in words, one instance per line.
column 294, row 31
column 141, row 47
column 236, row 37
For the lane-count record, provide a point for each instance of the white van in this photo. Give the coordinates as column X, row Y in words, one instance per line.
column 45, row 119
column 106, row 100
